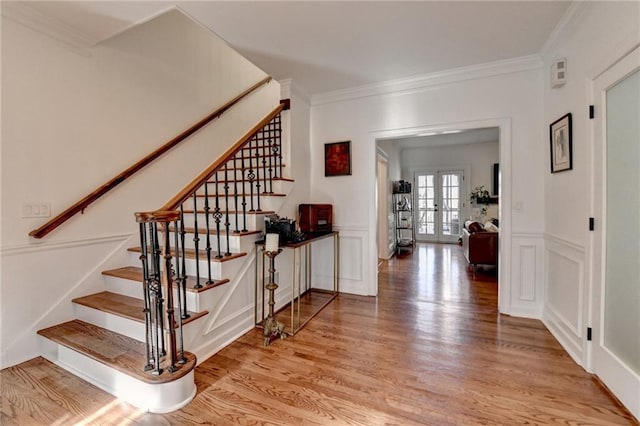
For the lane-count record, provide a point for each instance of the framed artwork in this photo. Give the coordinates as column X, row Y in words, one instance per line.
column 337, row 158
column 561, row 144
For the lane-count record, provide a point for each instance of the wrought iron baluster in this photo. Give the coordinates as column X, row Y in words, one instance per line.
column 169, row 277
column 269, row 149
column 235, row 191
column 251, row 175
column 227, row 224
column 183, row 257
column 178, row 287
column 196, row 237
column 217, row 216
column 208, row 229
column 258, row 174
column 279, row 140
column 157, row 291
column 147, row 310
column 244, row 195
column 265, row 159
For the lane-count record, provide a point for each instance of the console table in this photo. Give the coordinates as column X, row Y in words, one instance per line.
column 306, row 301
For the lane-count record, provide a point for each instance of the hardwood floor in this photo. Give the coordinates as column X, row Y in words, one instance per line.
column 430, row 349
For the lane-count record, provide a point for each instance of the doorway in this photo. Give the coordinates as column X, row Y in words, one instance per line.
column 439, row 205
column 503, row 128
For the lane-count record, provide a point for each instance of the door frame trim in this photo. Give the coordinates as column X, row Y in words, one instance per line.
column 505, row 142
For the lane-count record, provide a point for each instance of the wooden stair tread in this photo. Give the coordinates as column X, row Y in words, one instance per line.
column 203, row 231
column 191, row 254
column 120, row 352
column 255, row 212
column 134, row 273
column 246, row 167
column 124, row 306
column 262, row 194
column 284, row 179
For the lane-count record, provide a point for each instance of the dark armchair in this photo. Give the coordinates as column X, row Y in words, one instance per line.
column 480, row 246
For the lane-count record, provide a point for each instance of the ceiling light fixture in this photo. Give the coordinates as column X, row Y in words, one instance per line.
column 449, row 132
column 428, row 134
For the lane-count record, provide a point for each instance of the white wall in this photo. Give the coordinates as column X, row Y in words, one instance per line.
column 505, row 94
column 595, row 35
column 298, row 160
column 479, row 157
column 71, row 120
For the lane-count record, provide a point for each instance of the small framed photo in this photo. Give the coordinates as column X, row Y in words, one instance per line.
column 561, row 144
column 337, row 158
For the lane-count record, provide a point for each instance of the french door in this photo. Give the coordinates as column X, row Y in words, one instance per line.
column 615, row 262
column 439, row 205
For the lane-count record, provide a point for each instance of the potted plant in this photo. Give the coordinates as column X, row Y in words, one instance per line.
column 479, row 195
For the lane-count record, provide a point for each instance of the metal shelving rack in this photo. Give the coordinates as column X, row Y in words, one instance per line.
column 403, row 212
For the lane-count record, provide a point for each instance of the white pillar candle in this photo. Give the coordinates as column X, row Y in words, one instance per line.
column 272, row 242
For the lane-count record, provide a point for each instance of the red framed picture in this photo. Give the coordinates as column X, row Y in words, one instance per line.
column 337, row 158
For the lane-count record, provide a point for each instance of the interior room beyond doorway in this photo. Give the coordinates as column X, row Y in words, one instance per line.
column 447, row 170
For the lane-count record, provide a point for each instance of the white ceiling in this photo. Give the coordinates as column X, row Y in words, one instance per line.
column 327, row 46
column 465, row 137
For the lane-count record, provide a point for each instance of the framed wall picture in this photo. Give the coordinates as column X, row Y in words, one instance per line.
column 337, row 158
column 561, row 144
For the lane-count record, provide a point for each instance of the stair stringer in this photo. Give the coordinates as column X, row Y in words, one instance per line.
column 234, row 306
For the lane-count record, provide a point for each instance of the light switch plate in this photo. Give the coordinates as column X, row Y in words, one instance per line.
column 37, row 209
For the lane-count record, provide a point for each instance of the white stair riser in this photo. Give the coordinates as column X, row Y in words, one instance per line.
column 128, row 327
column 156, row 398
column 237, row 243
column 134, row 289
column 266, row 203
column 219, row 270
column 254, row 221
column 277, row 186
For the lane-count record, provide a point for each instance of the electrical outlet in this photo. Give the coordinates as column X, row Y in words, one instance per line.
column 39, row 209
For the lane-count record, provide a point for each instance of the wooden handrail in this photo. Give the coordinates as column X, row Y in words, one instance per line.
column 81, row 205
column 200, row 180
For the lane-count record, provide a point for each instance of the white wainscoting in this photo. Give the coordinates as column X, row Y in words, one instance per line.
column 527, row 274
column 353, row 252
column 565, row 294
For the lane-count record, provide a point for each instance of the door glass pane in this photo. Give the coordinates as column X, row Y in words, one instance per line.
column 622, row 270
column 426, row 204
column 450, row 204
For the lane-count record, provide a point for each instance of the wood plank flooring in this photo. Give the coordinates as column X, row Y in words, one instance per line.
column 431, row 349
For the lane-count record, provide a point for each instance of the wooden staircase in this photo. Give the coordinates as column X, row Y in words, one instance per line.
column 119, row 333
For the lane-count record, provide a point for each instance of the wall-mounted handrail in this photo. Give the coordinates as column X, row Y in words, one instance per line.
column 82, row 204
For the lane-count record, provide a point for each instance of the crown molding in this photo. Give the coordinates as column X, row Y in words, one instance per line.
column 421, row 82
column 32, row 18
column 574, row 10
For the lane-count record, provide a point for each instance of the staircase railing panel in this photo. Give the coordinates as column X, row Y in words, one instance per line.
column 259, row 154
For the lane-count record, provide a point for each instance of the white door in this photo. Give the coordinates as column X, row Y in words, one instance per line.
column 439, row 205
column 615, row 351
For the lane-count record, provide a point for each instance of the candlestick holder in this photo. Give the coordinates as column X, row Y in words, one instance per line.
column 272, row 327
